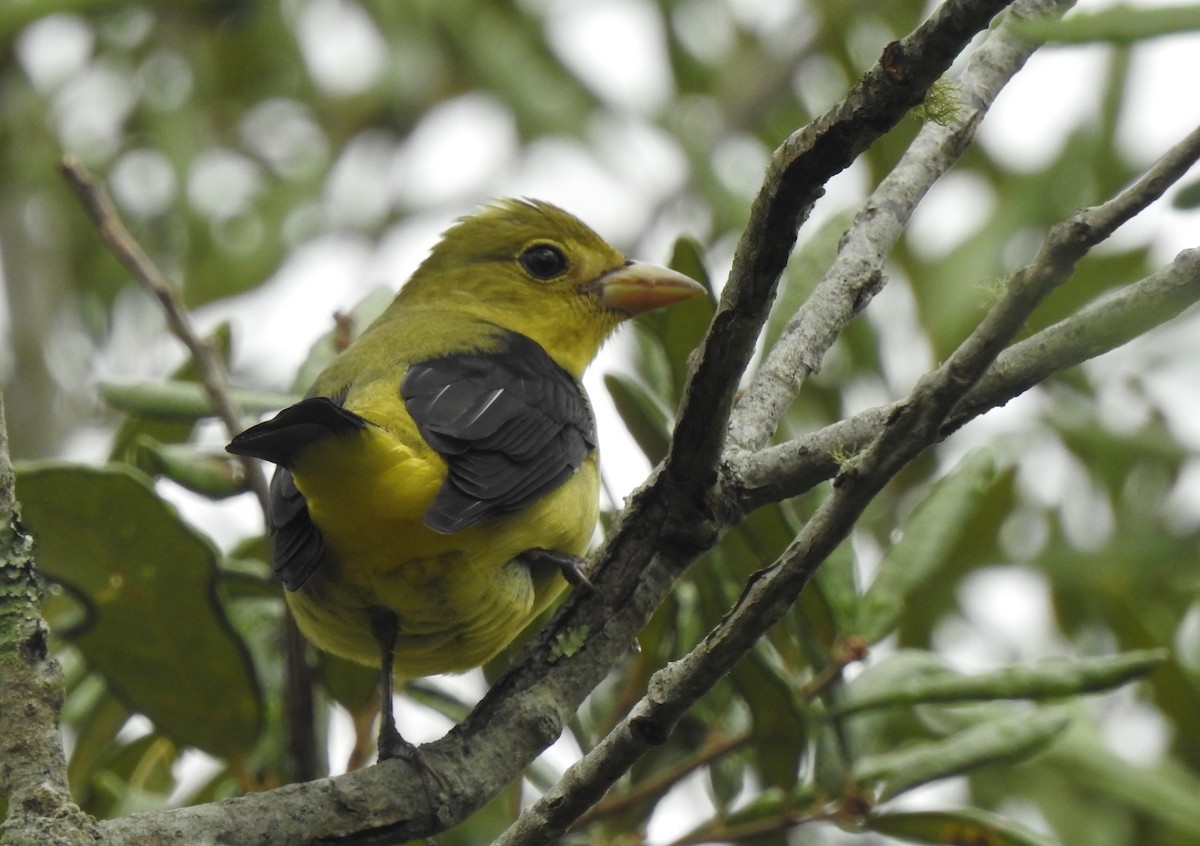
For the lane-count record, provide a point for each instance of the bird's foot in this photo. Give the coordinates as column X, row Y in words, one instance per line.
column 569, row 565
column 393, row 745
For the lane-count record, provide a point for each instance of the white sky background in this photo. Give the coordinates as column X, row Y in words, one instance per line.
column 440, row 166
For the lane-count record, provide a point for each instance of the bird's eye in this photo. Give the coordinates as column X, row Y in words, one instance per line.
column 544, row 261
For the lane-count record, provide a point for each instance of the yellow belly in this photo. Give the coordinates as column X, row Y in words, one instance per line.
column 459, row 598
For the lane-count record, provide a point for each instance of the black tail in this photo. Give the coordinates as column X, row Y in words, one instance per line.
column 277, row 440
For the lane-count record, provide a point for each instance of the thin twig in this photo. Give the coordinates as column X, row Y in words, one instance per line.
column 662, row 782
column 755, row 830
column 129, row 252
column 850, row 651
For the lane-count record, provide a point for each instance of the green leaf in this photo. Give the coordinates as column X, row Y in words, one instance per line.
column 836, row 583
column 1120, row 24
column 830, row 758
column 1045, row 680
column 687, row 256
column 1165, row 792
column 1187, row 196
column 354, row 686
column 997, row 742
column 137, row 777
column 766, row 808
column 444, row 702
column 494, row 49
column 230, row 255
column 929, row 536
column 96, row 731
column 155, row 629
column 726, row 781
column 893, row 670
column 486, row 824
column 215, row 476
column 871, row 729
column 967, row 825
column 1114, row 458
column 648, row 422
column 780, row 729
column 183, row 401
column 674, row 332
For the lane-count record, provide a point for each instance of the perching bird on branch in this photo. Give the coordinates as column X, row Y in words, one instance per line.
column 440, row 478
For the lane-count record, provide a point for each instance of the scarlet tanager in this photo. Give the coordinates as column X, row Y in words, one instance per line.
column 440, row 477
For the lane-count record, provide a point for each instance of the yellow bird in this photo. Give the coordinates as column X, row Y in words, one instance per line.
column 440, row 478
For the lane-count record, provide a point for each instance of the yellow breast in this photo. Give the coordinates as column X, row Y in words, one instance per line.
column 459, row 598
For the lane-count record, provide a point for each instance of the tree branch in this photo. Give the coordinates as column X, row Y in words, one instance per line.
column 526, row 709
column 790, row 469
column 916, row 424
column 856, row 276
column 33, row 768
column 794, row 181
column 1068, row 341
column 1102, row 326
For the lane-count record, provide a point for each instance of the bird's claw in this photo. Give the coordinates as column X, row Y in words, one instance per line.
column 568, row 565
column 393, row 745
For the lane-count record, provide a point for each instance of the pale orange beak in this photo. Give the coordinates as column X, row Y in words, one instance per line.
column 637, row 287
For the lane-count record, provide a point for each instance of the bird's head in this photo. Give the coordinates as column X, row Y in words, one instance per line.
column 535, row 269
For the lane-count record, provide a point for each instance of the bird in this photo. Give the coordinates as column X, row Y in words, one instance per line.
column 438, row 485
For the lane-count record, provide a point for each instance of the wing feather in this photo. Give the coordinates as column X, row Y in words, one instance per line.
column 512, row 425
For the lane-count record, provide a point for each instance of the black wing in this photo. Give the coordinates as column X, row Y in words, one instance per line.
column 298, row 546
column 512, row 426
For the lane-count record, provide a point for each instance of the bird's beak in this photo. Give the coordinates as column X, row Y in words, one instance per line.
column 637, row 287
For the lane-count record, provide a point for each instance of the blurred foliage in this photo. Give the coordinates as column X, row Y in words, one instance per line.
column 238, row 137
